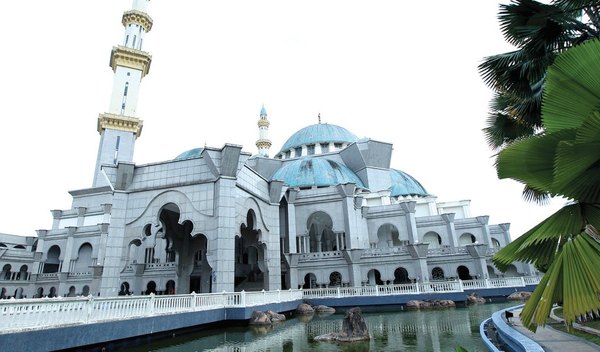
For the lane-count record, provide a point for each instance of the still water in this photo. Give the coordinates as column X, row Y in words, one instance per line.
column 391, row 330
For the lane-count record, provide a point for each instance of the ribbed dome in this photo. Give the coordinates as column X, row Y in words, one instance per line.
column 190, row 154
column 310, row 172
column 319, row 133
column 404, row 185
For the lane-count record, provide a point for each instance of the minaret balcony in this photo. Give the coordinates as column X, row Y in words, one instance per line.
column 139, row 18
column 132, row 58
column 120, row 123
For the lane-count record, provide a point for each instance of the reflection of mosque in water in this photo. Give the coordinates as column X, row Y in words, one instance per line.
column 414, row 330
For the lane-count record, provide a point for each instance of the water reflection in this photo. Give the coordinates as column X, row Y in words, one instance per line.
column 393, row 330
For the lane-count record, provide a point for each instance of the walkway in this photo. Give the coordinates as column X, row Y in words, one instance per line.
column 553, row 340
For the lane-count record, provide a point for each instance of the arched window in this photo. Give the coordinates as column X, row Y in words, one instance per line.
column 52, row 263
column 335, row 279
column 435, row 241
column 5, row 275
column 84, row 259
column 437, row 273
column 466, row 238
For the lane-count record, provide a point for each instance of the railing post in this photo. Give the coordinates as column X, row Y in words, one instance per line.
column 487, row 283
column 417, row 286
column 90, row 308
column 193, row 303
column 264, row 299
column 278, row 296
column 339, row 294
column 150, row 307
column 522, row 281
column 460, row 286
column 243, row 298
column 376, row 290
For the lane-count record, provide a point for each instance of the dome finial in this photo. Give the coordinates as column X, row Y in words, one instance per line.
column 319, row 117
column 263, row 111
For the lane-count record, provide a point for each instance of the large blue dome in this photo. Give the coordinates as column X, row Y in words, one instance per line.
column 404, row 184
column 310, row 172
column 319, row 133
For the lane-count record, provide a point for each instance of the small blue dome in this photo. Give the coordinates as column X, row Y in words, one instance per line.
column 190, row 154
column 319, row 133
column 310, row 172
column 404, row 185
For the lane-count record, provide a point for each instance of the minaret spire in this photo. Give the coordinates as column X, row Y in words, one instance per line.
column 263, row 143
column 119, row 127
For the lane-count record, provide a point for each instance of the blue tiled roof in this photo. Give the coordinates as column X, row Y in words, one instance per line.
column 319, row 133
column 308, row 172
column 403, row 185
column 190, row 154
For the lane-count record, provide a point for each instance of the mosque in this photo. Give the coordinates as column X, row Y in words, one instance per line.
column 327, row 210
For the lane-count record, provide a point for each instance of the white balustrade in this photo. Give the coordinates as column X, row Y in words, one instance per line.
column 420, row 288
column 52, row 312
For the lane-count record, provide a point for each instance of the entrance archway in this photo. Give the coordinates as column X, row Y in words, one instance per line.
column 150, row 288
column 374, row 277
column 401, row 276
column 320, row 233
column 250, row 266
column 52, row 263
column 463, row 273
column 310, row 281
column 388, row 236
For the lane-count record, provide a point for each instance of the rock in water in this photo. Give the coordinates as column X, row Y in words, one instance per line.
column 324, row 309
column 475, row 298
column 354, row 328
column 304, row 308
column 259, row 318
column 519, row 296
column 354, row 325
column 275, row 317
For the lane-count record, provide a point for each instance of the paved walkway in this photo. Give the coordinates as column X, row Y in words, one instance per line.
column 553, row 340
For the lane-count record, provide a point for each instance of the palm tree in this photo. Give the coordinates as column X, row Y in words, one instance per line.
column 562, row 159
column 539, row 32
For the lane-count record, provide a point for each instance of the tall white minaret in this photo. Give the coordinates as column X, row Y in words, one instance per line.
column 263, row 143
column 119, row 127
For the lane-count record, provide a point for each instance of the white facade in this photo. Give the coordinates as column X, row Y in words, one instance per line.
column 328, row 210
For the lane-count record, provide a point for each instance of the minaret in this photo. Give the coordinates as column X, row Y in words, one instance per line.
column 119, row 127
column 263, row 143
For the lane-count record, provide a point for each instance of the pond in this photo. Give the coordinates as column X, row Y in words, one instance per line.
column 391, row 328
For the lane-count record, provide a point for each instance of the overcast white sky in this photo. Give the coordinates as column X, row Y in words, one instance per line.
column 403, row 72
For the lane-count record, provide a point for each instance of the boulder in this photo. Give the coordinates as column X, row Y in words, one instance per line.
column 354, row 328
column 275, row 317
column 475, row 298
column 519, row 296
column 259, row 318
column 324, row 309
column 305, row 309
column 430, row 304
column 265, row 318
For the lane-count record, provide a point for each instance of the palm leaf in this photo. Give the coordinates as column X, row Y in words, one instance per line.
column 572, row 91
column 576, row 171
column 531, row 160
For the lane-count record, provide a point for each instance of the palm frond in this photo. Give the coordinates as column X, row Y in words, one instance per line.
column 572, row 91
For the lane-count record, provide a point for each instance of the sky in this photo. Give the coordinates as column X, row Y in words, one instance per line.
column 403, row 72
